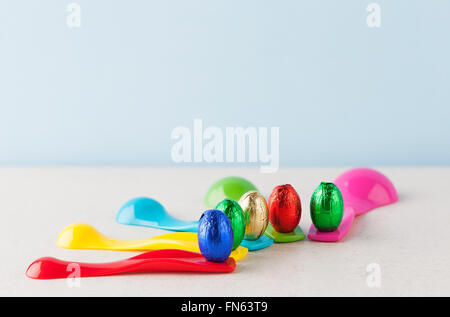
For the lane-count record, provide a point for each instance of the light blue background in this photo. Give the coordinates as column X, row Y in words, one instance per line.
column 111, row 92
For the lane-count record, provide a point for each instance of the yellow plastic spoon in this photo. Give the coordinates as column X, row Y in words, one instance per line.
column 84, row 236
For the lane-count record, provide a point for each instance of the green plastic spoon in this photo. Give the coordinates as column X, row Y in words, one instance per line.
column 228, row 187
column 279, row 237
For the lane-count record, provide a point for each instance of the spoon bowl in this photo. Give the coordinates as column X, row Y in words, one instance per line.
column 81, row 235
column 365, row 189
column 147, row 212
column 232, row 187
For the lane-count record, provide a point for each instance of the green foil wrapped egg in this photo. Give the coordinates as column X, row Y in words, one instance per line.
column 327, row 207
column 236, row 216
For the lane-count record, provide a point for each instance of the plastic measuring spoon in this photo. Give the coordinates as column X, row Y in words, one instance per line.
column 362, row 189
column 152, row 261
column 228, row 187
column 148, row 212
column 84, row 236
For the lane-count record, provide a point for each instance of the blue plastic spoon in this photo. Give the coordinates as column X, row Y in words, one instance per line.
column 147, row 212
column 261, row 243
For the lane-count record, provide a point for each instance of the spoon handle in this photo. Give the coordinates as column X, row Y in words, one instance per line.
column 334, row 236
column 51, row 268
column 155, row 243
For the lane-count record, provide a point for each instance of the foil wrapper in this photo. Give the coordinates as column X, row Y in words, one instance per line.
column 326, row 207
column 256, row 214
column 285, row 208
column 236, row 216
column 215, row 236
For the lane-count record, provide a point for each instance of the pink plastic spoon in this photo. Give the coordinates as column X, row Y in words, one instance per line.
column 362, row 189
column 152, row 261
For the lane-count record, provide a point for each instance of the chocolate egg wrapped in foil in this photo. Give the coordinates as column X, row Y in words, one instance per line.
column 215, row 236
column 256, row 214
column 285, row 208
column 236, row 216
column 327, row 207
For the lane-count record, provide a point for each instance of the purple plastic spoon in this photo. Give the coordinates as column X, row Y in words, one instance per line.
column 362, row 189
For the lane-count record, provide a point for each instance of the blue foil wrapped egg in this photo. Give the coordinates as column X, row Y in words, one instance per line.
column 215, row 236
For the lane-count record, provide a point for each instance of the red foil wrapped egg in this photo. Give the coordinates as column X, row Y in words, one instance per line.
column 285, row 208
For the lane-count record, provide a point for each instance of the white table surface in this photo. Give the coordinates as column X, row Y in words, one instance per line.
column 410, row 240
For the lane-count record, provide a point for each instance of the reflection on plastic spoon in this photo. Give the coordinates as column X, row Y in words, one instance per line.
column 84, row 236
column 365, row 189
column 362, row 189
column 147, row 212
column 152, row 261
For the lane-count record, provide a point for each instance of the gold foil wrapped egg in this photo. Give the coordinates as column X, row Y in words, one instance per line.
column 256, row 214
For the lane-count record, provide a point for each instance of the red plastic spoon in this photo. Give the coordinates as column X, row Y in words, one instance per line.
column 152, row 261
